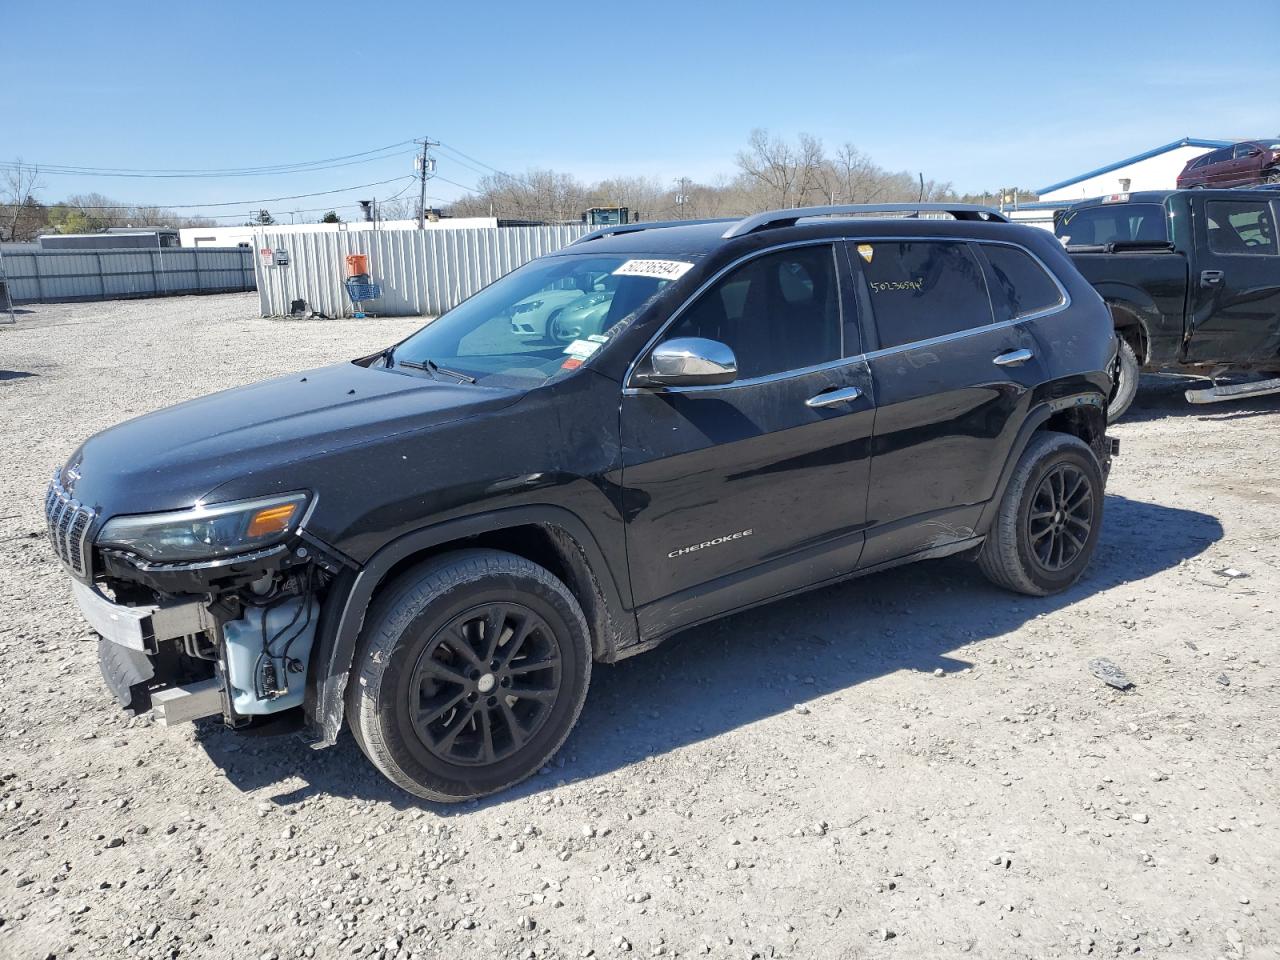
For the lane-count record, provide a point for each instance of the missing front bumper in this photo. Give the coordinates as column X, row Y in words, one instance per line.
column 140, row 628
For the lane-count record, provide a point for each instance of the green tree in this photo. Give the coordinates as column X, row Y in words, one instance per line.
column 262, row 218
column 331, row 217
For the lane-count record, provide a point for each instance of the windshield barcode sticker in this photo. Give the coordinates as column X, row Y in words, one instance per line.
column 582, row 348
column 662, row 269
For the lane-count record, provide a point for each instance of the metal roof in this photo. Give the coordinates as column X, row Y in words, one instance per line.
column 1154, row 152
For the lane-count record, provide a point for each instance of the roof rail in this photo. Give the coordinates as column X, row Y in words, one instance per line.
column 646, row 225
column 787, row 218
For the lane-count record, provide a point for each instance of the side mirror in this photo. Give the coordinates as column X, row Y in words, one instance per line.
column 687, row 362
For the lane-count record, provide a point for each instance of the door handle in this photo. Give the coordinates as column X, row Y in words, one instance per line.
column 832, row 397
column 1211, row 278
column 1013, row 358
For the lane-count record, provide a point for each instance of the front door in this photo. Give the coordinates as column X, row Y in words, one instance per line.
column 950, row 384
column 740, row 492
column 1235, row 295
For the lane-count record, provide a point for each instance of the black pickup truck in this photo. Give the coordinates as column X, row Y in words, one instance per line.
column 1193, row 281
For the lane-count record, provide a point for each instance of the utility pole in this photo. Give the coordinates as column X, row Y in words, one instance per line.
column 425, row 164
column 682, row 194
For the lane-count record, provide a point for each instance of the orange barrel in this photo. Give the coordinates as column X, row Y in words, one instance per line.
column 357, row 263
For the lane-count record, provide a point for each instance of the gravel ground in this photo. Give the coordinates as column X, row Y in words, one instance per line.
column 912, row 765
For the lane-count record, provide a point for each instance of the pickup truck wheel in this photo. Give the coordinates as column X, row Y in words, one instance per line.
column 1045, row 531
column 1126, row 381
column 471, row 671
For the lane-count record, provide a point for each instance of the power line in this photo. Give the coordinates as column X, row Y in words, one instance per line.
column 501, row 173
column 234, row 203
column 456, row 183
column 177, row 172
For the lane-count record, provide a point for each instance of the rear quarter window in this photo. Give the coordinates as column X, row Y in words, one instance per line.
column 924, row 289
column 1020, row 286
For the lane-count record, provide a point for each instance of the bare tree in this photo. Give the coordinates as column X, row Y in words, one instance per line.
column 401, row 208
column 772, row 173
column 21, row 215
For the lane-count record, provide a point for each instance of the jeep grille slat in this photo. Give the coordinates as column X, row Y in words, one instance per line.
column 69, row 523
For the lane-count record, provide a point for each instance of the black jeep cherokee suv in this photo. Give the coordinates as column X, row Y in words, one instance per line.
column 434, row 543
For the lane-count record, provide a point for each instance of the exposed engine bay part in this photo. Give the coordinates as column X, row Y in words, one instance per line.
column 267, row 651
column 140, row 627
column 188, row 702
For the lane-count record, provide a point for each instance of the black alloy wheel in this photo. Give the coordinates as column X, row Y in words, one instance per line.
column 485, row 683
column 471, row 670
column 1061, row 517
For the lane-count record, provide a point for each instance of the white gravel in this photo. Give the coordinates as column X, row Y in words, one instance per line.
column 797, row 782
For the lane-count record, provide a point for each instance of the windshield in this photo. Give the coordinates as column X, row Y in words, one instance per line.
column 541, row 321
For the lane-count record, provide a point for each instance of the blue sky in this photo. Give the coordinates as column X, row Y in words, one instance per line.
column 984, row 96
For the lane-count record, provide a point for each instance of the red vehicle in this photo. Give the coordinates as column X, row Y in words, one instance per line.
column 1239, row 165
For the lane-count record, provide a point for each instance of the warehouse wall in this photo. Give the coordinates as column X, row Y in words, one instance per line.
column 421, row 272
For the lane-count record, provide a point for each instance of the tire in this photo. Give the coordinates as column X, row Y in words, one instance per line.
column 416, row 637
column 1126, row 386
column 1271, row 176
column 552, row 322
column 1011, row 555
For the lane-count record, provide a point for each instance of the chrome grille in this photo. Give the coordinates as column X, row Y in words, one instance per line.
column 69, row 522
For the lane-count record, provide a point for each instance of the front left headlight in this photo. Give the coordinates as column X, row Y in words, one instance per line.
column 206, row 532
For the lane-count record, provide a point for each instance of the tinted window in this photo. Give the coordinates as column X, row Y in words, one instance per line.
column 923, row 289
column 1109, row 223
column 1244, row 150
column 1018, row 280
column 778, row 312
column 1241, row 226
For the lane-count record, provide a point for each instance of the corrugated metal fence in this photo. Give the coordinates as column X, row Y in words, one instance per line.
column 55, row 275
column 421, row 272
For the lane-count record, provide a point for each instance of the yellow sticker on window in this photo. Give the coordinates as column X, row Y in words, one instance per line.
column 866, row 252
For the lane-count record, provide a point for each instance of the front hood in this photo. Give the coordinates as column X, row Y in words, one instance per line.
column 169, row 459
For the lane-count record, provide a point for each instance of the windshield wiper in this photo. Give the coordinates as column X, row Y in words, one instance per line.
column 433, row 368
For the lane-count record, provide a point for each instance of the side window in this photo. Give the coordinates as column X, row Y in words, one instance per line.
column 923, row 289
column 1019, row 285
column 1241, row 227
column 778, row 312
column 1243, row 150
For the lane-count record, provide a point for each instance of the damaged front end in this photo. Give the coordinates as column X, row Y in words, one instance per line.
column 207, row 611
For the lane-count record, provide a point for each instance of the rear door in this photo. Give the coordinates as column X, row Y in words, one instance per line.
column 1218, row 170
column 736, row 493
column 952, row 378
column 1235, row 295
column 1246, row 164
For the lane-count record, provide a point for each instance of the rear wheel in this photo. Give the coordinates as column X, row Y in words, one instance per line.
column 472, row 670
column 1049, row 519
column 1271, row 176
column 1125, row 375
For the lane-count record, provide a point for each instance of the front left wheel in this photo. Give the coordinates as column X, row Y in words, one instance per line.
column 471, row 671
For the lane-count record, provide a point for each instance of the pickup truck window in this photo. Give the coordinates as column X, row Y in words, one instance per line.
column 1241, row 227
column 1112, row 222
column 778, row 312
column 923, row 290
column 1022, row 283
